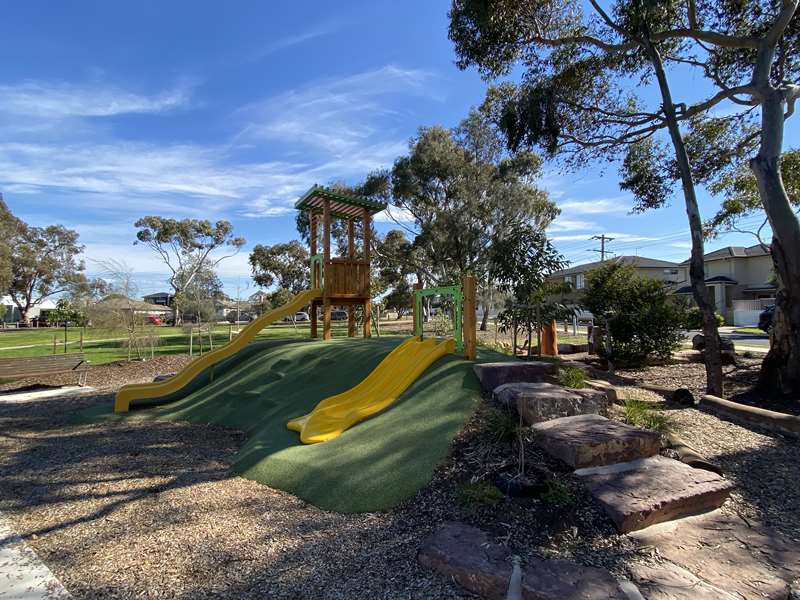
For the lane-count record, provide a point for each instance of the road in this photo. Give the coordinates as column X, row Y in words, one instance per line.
column 741, row 341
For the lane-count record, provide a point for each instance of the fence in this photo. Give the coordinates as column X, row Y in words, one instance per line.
column 746, row 312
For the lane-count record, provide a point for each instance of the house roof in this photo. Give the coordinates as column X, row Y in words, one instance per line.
column 641, row 262
column 723, row 279
column 129, row 303
column 157, row 295
column 46, row 304
column 343, row 206
column 734, row 252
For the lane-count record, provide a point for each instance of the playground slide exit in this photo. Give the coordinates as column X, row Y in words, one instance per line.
column 395, row 373
column 131, row 393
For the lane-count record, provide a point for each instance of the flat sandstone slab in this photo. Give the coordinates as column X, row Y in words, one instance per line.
column 467, row 555
column 592, row 440
column 644, row 492
column 538, row 402
column 492, row 375
column 748, row 560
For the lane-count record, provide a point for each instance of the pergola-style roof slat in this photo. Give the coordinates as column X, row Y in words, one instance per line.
column 343, row 206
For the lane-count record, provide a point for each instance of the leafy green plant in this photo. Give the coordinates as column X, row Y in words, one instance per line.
column 503, row 425
column 475, row 494
column 557, row 493
column 694, row 319
column 572, row 377
column 641, row 414
column 644, row 321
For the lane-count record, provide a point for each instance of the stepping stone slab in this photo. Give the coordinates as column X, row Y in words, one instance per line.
column 492, row 375
column 537, row 402
column 592, row 440
column 644, row 492
column 748, row 560
column 668, row 581
column 468, row 556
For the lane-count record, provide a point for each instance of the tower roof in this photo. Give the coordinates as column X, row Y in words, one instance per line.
column 343, row 205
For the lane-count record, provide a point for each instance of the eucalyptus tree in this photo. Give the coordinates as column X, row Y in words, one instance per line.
column 187, row 247
column 584, row 64
column 463, row 190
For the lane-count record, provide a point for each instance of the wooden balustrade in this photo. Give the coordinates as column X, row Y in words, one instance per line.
column 347, row 278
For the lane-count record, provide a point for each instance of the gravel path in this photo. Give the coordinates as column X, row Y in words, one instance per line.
column 151, row 510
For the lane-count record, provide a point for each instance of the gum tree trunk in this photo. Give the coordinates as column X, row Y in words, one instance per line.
column 780, row 371
column 702, row 296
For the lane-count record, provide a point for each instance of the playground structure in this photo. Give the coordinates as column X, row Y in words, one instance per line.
column 343, row 280
column 336, row 281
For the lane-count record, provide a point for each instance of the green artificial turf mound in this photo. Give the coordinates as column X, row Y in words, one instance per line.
column 372, row 466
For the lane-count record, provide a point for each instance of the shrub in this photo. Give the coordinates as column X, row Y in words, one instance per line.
column 475, row 494
column 557, row 493
column 502, row 425
column 572, row 377
column 643, row 320
column 694, row 319
column 641, row 414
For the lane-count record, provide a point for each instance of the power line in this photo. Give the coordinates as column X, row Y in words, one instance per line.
column 603, row 239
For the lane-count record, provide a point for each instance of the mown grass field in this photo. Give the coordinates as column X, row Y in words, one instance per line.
column 107, row 345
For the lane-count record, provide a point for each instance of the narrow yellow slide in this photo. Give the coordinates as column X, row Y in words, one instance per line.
column 395, row 373
column 146, row 391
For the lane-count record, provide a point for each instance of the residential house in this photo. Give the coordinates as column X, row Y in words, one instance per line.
column 742, row 281
column 12, row 314
column 160, row 298
column 671, row 273
column 138, row 307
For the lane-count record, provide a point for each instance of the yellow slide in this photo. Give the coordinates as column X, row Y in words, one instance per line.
column 395, row 373
column 145, row 391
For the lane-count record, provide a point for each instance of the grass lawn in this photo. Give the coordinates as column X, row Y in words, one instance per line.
column 752, row 330
column 373, row 466
column 104, row 345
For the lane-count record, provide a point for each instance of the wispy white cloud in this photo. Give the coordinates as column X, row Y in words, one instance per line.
column 335, row 115
column 681, row 244
column 618, row 237
column 394, row 214
column 594, row 206
column 59, row 100
column 295, row 39
column 562, row 224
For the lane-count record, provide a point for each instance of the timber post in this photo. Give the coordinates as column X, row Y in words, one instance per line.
column 469, row 318
column 312, row 223
column 326, row 261
column 367, row 218
column 351, row 254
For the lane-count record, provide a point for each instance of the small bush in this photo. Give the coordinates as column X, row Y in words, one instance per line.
column 572, row 377
column 694, row 319
column 641, row 414
column 644, row 321
column 475, row 494
column 557, row 493
column 502, row 425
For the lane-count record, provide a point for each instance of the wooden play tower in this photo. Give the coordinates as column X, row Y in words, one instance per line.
column 344, row 281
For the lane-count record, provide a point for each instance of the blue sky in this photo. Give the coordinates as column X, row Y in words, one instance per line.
column 111, row 111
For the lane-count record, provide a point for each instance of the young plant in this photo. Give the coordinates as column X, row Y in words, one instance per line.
column 641, row 414
column 557, row 493
column 572, row 377
column 473, row 495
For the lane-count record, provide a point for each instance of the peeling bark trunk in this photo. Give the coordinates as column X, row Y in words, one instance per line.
column 702, row 296
column 485, row 319
column 780, row 371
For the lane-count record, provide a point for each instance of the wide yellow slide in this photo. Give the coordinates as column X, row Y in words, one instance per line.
column 146, row 391
column 395, row 373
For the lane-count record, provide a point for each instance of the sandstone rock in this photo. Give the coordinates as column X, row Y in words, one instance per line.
column 466, row 555
column 537, row 402
column 601, row 385
column 492, row 375
column 668, row 581
column 591, row 440
column 727, row 350
column 745, row 559
column 644, row 492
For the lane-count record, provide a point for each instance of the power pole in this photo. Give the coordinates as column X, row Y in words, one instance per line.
column 603, row 239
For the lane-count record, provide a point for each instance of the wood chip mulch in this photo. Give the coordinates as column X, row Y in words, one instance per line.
column 151, row 510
